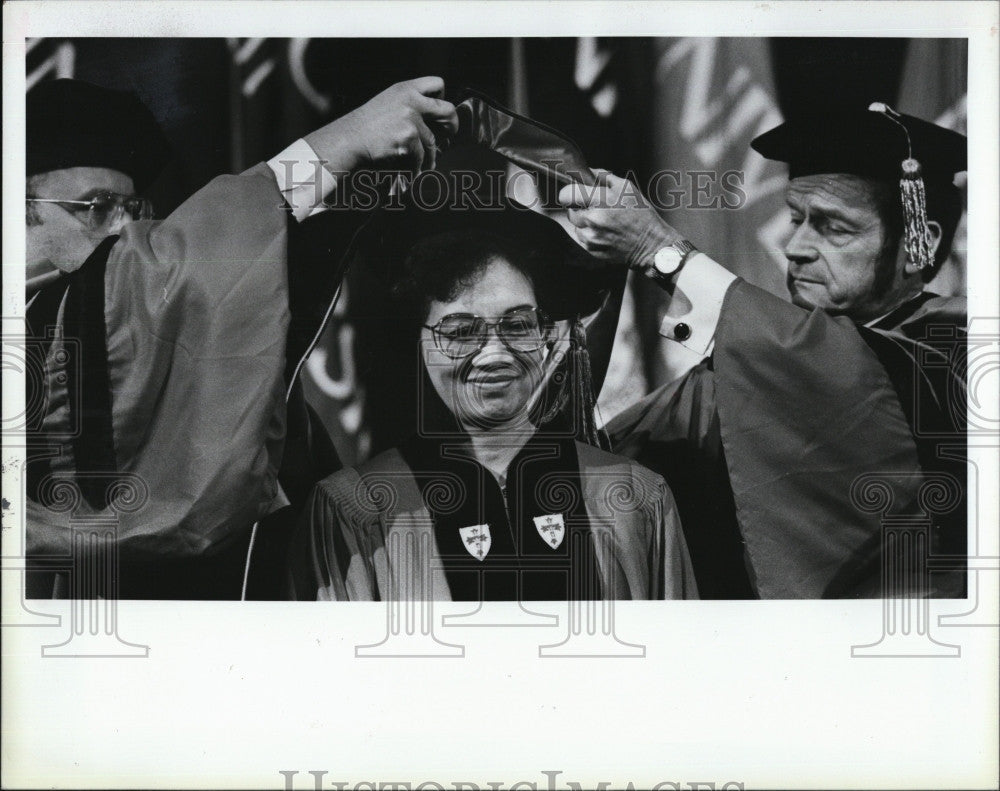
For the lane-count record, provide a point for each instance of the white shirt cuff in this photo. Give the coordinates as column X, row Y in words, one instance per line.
column 693, row 312
column 302, row 179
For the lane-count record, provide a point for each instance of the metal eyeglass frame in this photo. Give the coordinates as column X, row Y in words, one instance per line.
column 482, row 328
column 120, row 206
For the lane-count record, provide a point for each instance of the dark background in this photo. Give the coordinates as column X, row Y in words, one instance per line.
column 226, row 104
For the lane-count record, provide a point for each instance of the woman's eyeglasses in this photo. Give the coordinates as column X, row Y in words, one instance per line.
column 106, row 210
column 459, row 335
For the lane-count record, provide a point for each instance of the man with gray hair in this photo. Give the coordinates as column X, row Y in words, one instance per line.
column 801, row 419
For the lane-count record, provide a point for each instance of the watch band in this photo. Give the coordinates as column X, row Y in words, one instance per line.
column 686, row 249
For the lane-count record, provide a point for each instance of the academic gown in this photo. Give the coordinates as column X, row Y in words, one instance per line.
column 162, row 394
column 772, row 445
column 426, row 521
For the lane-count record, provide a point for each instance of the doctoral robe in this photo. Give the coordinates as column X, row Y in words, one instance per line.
column 425, row 521
column 165, row 373
column 792, row 446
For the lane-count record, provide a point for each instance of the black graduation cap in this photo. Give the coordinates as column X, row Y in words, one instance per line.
column 71, row 123
column 874, row 142
column 864, row 142
column 568, row 280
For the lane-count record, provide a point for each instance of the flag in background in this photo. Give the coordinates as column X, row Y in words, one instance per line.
column 711, row 97
column 589, row 74
column 48, row 58
column 594, row 75
column 684, row 107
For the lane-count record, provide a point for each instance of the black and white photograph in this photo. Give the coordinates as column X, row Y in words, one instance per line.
column 377, row 361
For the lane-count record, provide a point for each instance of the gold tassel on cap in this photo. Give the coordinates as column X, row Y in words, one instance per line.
column 587, row 429
column 913, row 193
column 574, row 386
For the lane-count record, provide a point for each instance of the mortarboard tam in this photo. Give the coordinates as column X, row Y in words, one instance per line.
column 568, row 280
column 864, row 143
column 876, row 143
column 71, row 123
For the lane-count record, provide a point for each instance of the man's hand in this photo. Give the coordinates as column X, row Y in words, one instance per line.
column 391, row 130
column 615, row 223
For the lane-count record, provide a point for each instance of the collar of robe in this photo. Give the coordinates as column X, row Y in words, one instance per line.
column 525, row 560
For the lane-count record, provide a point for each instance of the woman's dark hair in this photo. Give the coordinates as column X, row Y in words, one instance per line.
column 439, row 267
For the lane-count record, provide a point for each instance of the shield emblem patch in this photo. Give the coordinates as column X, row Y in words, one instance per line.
column 551, row 528
column 477, row 540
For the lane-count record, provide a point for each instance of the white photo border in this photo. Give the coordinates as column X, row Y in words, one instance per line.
column 763, row 694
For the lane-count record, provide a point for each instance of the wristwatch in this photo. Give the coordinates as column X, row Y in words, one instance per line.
column 668, row 260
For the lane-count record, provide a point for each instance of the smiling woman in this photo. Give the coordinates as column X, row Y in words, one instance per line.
column 495, row 479
column 483, row 336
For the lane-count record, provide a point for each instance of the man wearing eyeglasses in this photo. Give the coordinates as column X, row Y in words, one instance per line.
column 818, row 450
column 61, row 229
column 165, row 347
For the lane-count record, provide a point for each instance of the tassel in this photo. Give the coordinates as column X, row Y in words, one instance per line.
column 911, row 189
column 559, row 386
column 918, row 235
column 575, row 387
column 587, row 430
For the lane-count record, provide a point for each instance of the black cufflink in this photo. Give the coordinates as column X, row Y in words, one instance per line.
column 682, row 331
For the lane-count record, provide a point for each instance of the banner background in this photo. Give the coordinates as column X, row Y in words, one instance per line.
column 637, row 106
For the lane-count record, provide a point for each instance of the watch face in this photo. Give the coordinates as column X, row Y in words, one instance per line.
column 666, row 260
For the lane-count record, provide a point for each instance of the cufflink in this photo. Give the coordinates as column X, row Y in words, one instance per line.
column 682, row 331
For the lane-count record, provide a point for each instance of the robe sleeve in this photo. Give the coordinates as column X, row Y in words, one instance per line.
column 637, row 529
column 663, row 550
column 807, row 413
column 786, row 428
column 195, row 313
column 678, row 574
column 675, row 431
column 314, row 571
column 337, row 544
